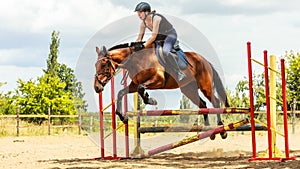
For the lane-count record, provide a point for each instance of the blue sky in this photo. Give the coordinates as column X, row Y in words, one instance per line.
column 26, row 27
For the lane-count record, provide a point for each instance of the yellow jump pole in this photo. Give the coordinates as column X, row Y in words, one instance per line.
column 276, row 152
column 137, row 135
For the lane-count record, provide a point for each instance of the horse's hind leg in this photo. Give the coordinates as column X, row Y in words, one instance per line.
column 191, row 92
column 216, row 103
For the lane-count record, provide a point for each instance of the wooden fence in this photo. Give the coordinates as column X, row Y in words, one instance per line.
column 77, row 123
column 91, row 124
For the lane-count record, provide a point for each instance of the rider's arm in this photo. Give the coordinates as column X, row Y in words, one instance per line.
column 142, row 32
column 156, row 22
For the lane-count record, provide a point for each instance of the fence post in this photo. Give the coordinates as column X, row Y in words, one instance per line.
column 18, row 121
column 294, row 115
column 91, row 123
column 79, row 121
column 49, row 121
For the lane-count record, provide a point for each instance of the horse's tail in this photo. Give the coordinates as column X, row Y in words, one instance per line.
column 219, row 87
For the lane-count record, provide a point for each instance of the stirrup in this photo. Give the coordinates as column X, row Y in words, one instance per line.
column 180, row 75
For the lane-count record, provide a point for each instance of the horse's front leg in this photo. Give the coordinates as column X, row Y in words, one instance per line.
column 131, row 88
column 145, row 96
column 119, row 111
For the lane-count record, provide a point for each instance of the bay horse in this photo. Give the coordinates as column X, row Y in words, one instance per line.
column 146, row 72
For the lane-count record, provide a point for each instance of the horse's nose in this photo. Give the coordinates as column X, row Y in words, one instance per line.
column 98, row 89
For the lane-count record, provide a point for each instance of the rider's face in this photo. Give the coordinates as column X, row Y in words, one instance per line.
column 141, row 14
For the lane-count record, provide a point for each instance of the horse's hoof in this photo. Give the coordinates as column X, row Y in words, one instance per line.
column 223, row 135
column 123, row 118
column 212, row 137
column 152, row 101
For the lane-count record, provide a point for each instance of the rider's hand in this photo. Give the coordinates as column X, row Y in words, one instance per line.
column 139, row 47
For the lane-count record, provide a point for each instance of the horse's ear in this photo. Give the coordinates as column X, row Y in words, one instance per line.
column 97, row 50
column 104, row 50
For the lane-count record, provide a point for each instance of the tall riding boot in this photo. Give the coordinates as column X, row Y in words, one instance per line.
column 173, row 63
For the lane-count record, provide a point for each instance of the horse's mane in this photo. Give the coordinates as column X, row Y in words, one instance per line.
column 125, row 45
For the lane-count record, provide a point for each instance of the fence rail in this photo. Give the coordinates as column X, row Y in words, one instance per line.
column 91, row 124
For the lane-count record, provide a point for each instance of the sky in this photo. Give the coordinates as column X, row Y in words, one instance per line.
column 26, row 26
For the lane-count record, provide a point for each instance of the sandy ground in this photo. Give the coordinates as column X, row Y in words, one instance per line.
column 74, row 152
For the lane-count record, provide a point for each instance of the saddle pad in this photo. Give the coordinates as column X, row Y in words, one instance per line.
column 182, row 60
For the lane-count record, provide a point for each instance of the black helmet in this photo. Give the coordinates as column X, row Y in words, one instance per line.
column 143, row 6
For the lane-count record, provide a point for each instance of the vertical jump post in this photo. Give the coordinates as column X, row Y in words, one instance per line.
column 113, row 125
column 271, row 120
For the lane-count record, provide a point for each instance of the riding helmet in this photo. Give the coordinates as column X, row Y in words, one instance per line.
column 143, row 6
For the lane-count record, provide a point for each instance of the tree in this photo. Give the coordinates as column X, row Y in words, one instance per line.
column 67, row 75
column 36, row 96
column 64, row 73
column 241, row 96
column 6, row 102
column 293, row 74
column 52, row 64
column 58, row 89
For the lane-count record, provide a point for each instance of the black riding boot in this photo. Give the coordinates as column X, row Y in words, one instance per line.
column 174, row 65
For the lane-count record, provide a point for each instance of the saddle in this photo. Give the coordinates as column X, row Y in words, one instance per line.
column 181, row 57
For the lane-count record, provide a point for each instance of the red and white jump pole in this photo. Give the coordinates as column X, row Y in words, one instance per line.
column 113, row 125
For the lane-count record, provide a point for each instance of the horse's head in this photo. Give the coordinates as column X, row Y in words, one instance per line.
column 105, row 69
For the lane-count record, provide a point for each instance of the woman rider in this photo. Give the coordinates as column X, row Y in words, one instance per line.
column 162, row 30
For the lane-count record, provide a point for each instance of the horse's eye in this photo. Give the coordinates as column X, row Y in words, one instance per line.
column 103, row 65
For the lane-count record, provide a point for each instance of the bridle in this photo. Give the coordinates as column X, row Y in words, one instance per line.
column 105, row 69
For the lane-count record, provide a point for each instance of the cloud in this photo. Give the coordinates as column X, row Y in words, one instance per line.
column 26, row 28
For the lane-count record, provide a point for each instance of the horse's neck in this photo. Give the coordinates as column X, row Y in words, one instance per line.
column 119, row 55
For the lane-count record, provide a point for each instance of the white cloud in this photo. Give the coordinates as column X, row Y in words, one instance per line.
column 26, row 26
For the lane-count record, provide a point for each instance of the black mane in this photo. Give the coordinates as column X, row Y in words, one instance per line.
column 125, row 45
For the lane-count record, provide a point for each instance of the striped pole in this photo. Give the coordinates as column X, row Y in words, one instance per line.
column 185, row 141
column 126, row 125
column 188, row 112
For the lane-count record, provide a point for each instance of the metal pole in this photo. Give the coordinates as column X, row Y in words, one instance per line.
column 251, row 100
column 273, row 102
column 125, row 112
column 285, row 121
column 113, row 117
column 101, row 125
column 267, row 91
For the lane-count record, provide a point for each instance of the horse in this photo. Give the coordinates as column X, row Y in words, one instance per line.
column 147, row 73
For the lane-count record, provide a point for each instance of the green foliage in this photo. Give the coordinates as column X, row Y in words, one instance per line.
column 57, row 90
column 67, row 76
column 6, row 102
column 241, row 96
column 52, row 64
column 35, row 97
column 293, row 74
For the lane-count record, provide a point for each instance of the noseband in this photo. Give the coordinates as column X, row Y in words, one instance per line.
column 105, row 70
